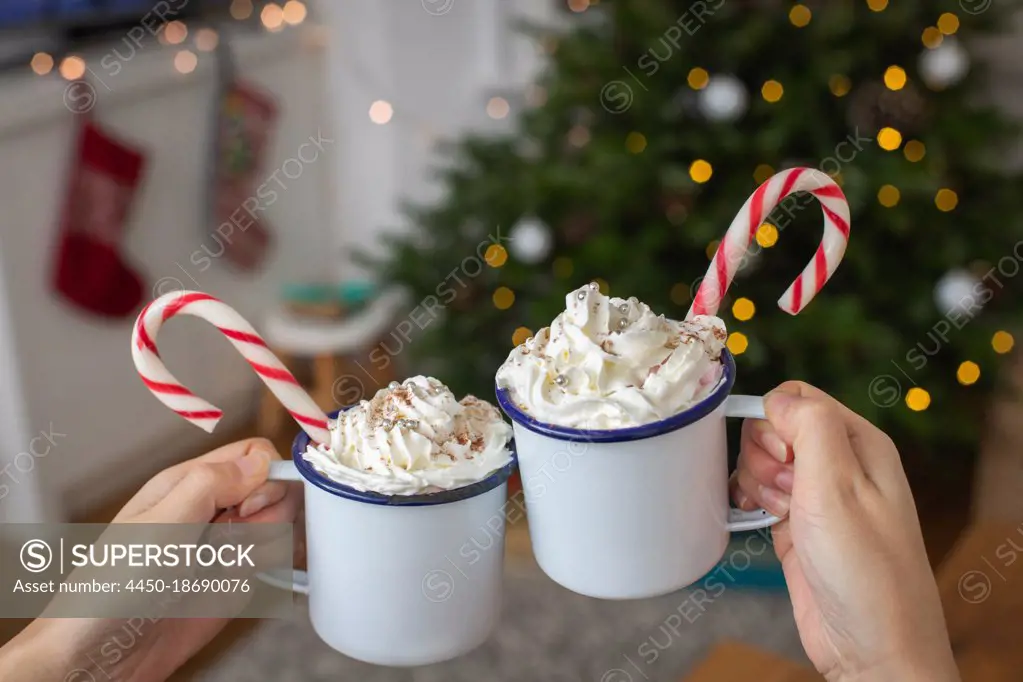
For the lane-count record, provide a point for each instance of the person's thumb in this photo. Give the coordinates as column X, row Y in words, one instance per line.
column 209, row 487
column 815, row 427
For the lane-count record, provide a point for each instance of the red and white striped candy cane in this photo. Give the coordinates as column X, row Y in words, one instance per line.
column 749, row 219
column 174, row 395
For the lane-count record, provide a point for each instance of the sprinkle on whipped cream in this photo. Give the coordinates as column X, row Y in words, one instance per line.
column 609, row 363
column 414, row 437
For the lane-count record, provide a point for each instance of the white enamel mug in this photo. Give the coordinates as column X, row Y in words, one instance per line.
column 389, row 578
column 635, row 512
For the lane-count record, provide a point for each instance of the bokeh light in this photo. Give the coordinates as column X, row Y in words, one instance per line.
column 737, row 343
column 946, row 199
column 700, row 171
column 1002, row 342
column 968, row 373
column 767, row 235
column 888, row 196
column 772, row 91
column 496, row 256
column 743, row 309
column 917, row 399
column 503, row 298
column 889, row 139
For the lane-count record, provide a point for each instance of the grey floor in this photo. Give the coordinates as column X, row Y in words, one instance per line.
column 546, row 633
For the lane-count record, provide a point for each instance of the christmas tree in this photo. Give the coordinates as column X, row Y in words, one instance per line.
column 653, row 123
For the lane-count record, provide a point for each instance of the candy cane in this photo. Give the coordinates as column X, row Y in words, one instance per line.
column 749, row 219
column 174, row 395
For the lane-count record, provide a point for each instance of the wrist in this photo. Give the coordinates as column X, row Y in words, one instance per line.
column 908, row 670
column 36, row 654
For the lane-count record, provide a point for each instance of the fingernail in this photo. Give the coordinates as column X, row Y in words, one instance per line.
column 253, row 505
column 254, row 463
column 774, row 501
column 775, row 446
column 740, row 498
column 784, row 480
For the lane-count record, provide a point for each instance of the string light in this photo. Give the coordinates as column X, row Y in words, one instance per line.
column 800, row 15
column 743, row 309
column 579, row 136
column 888, row 196
column 503, row 298
column 578, row 5
column 72, row 68
column 767, row 235
column 521, row 335
column 946, row 199
column 206, row 39
column 877, row 5
column 42, row 63
column 498, row 108
column 1002, row 342
column 762, row 173
column 294, row 12
column 889, row 139
column 914, row 150
column 680, row 293
column 496, row 256
column 380, row 112
column 185, row 61
column 536, row 95
column 917, row 399
column 772, row 91
column 700, row 171
column 712, row 248
column 698, row 78
column 635, row 143
column 895, row 77
column 948, row 23
column 931, row 37
column 174, row 33
column 677, row 213
column 272, row 16
column 968, row 373
column 839, row 85
column 562, row 267
column 737, row 343
column 241, row 9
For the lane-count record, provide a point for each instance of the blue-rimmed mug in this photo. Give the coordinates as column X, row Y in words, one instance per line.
column 634, row 512
column 399, row 580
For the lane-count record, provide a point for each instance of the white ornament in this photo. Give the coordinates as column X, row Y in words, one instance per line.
column 957, row 291
column 530, row 240
column 724, row 98
column 945, row 65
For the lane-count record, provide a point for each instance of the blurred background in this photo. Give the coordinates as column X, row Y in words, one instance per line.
column 392, row 188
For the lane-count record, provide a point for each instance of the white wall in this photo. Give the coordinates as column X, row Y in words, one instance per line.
column 76, row 369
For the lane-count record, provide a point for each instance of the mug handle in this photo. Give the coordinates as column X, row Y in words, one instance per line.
column 749, row 407
column 296, row 581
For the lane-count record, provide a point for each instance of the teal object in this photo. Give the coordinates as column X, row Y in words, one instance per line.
column 352, row 294
column 749, row 562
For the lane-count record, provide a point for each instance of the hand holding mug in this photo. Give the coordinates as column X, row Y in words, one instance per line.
column 863, row 593
column 229, row 483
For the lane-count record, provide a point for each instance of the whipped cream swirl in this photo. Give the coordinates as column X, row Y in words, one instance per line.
column 610, row 363
column 414, row 437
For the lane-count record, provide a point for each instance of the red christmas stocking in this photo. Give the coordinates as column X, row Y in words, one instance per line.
column 89, row 269
column 244, row 125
